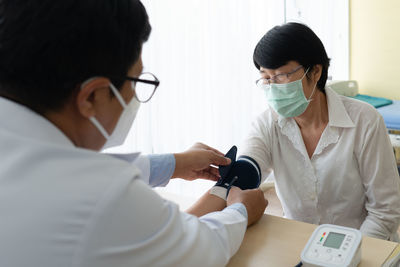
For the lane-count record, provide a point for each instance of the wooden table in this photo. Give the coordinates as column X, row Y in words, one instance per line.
column 278, row 242
column 275, row 241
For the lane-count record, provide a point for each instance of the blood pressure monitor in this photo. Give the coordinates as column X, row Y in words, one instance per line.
column 332, row 246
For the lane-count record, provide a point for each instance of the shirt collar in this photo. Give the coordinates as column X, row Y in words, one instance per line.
column 26, row 123
column 338, row 116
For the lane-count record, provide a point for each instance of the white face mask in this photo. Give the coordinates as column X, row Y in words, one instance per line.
column 124, row 123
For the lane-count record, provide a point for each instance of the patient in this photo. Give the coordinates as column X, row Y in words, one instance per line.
column 331, row 155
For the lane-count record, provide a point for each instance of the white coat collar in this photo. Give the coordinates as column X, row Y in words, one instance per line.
column 22, row 121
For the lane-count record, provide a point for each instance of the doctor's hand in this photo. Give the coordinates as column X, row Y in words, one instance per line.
column 199, row 161
column 252, row 199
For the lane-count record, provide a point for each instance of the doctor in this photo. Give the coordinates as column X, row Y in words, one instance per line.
column 69, row 71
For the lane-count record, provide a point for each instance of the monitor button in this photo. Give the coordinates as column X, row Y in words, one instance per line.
column 313, row 255
column 326, row 257
column 338, row 259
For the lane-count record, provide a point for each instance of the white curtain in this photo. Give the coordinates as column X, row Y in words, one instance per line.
column 329, row 19
column 201, row 51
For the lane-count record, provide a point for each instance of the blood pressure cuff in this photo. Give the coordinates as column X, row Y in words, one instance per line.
column 243, row 172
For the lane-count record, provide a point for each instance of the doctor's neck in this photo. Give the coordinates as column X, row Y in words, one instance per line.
column 74, row 130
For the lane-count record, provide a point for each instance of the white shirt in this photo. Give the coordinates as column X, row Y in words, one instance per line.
column 350, row 180
column 65, row 206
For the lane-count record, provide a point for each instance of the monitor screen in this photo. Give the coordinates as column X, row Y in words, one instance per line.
column 334, row 240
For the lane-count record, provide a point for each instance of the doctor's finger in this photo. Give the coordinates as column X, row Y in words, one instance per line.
column 208, row 175
column 206, row 147
column 214, row 171
column 217, row 159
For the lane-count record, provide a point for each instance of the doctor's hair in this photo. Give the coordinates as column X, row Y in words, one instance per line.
column 49, row 48
column 292, row 42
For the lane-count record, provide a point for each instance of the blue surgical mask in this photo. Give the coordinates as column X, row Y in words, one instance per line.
column 288, row 99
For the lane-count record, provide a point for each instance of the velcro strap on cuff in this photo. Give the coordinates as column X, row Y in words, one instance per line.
column 219, row 191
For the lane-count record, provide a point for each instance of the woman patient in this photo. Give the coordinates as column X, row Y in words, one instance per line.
column 331, row 154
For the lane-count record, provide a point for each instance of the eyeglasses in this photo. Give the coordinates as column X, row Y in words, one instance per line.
column 279, row 78
column 145, row 86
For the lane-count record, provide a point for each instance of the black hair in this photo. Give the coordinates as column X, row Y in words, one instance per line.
column 49, row 47
column 292, row 42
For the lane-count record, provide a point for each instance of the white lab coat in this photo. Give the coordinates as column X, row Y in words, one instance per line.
column 65, row 206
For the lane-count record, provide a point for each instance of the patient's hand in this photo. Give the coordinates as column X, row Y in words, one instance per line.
column 197, row 162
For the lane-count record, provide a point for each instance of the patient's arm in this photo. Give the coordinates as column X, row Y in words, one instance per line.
column 252, row 199
column 206, row 204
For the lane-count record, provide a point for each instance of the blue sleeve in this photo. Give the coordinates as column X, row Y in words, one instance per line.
column 239, row 207
column 162, row 166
